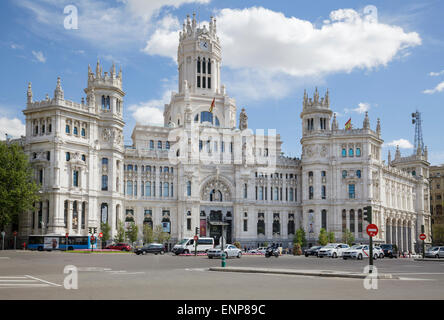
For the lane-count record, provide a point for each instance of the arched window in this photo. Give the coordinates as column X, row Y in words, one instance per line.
column 344, row 220
column 104, row 213
column 261, row 224
column 65, row 215
column 209, row 68
column 344, row 173
column 344, row 153
column 276, row 224
column 324, row 219
column 291, row 225
column 206, row 116
column 108, row 103
column 216, row 195
column 148, row 218
column 358, row 152
column 352, row 220
column 358, row 173
column 360, row 220
column 75, row 215
column 350, row 152
column 203, row 66
column 103, row 102
column 198, row 65
column 83, row 214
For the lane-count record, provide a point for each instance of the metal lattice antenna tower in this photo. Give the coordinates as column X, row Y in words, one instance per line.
column 416, row 120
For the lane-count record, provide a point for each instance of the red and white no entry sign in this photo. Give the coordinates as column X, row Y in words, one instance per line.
column 196, row 238
column 372, row 230
column 100, row 234
column 422, row 236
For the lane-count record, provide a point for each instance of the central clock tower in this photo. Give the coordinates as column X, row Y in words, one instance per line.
column 199, row 58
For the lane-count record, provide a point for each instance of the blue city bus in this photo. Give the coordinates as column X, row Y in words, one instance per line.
column 58, row 242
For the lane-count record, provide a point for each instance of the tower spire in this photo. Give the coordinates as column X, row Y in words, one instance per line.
column 29, row 94
column 366, row 124
column 419, row 143
column 58, row 92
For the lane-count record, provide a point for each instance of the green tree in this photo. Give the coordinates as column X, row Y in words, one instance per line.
column 120, row 236
column 132, row 232
column 105, row 228
column 348, row 237
column 300, row 237
column 148, row 234
column 18, row 190
column 323, row 240
column 160, row 236
column 331, row 237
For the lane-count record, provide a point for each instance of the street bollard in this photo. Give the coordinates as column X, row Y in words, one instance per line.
column 223, row 260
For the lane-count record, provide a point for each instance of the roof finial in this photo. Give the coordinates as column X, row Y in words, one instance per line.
column 58, row 92
column 366, row 124
column 29, row 94
column 98, row 70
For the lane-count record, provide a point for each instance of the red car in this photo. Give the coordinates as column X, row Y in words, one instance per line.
column 119, row 246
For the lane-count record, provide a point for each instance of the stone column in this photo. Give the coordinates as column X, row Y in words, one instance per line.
column 70, row 210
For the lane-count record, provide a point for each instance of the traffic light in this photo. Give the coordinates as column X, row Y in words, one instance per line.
column 197, row 230
column 368, row 214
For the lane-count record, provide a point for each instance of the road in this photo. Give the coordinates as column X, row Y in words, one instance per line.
column 39, row 275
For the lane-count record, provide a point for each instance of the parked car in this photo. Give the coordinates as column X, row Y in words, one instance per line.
column 260, row 250
column 313, row 251
column 390, row 250
column 378, row 250
column 155, row 248
column 187, row 245
column 435, row 252
column 230, row 251
column 360, row 252
column 333, row 250
column 120, row 246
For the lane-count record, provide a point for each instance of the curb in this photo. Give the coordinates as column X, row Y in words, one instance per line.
column 330, row 274
column 429, row 259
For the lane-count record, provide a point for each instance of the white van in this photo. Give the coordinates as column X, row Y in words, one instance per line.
column 187, row 245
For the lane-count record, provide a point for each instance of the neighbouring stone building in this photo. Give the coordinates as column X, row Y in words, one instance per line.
column 205, row 169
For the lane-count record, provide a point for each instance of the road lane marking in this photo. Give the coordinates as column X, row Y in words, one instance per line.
column 51, row 283
column 6, row 258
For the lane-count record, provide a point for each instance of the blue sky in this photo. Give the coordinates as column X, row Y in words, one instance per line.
column 389, row 64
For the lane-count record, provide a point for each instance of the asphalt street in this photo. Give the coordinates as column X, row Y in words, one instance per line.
column 40, row 275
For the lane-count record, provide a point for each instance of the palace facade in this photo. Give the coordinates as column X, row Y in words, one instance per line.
column 206, row 169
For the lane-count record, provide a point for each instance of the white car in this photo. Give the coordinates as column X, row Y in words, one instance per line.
column 260, row 250
column 359, row 252
column 333, row 250
column 230, row 251
column 378, row 250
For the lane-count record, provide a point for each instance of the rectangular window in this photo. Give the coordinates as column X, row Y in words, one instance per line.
column 324, row 192
column 245, row 225
column 167, row 145
column 67, row 129
column 159, row 144
column 148, row 189
column 75, row 178
column 222, row 146
column 291, row 194
column 351, row 191
column 189, row 224
column 203, row 82
column 151, row 144
column 310, row 192
column 209, row 82
column 198, row 81
column 245, row 191
column 104, row 183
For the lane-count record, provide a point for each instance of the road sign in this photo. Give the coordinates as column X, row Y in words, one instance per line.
column 15, row 233
column 67, row 234
column 196, row 238
column 100, row 235
column 372, row 230
column 422, row 236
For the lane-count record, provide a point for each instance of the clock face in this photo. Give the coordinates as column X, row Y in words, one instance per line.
column 203, row 45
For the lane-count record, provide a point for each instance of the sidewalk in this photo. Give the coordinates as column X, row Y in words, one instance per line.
column 316, row 273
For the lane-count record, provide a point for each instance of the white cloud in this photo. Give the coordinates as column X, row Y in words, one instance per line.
column 13, row 127
column 151, row 112
column 39, row 56
column 402, row 143
column 260, row 41
column 436, row 74
column 362, row 108
column 438, row 88
column 105, row 24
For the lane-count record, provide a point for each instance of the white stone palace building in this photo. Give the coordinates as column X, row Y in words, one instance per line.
column 206, row 169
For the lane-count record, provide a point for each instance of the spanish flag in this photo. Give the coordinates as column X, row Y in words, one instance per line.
column 212, row 105
column 348, row 124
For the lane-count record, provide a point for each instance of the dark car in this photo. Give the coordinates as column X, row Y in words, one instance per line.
column 390, row 250
column 119, row 246
column 313, row 251
column 155, row 248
